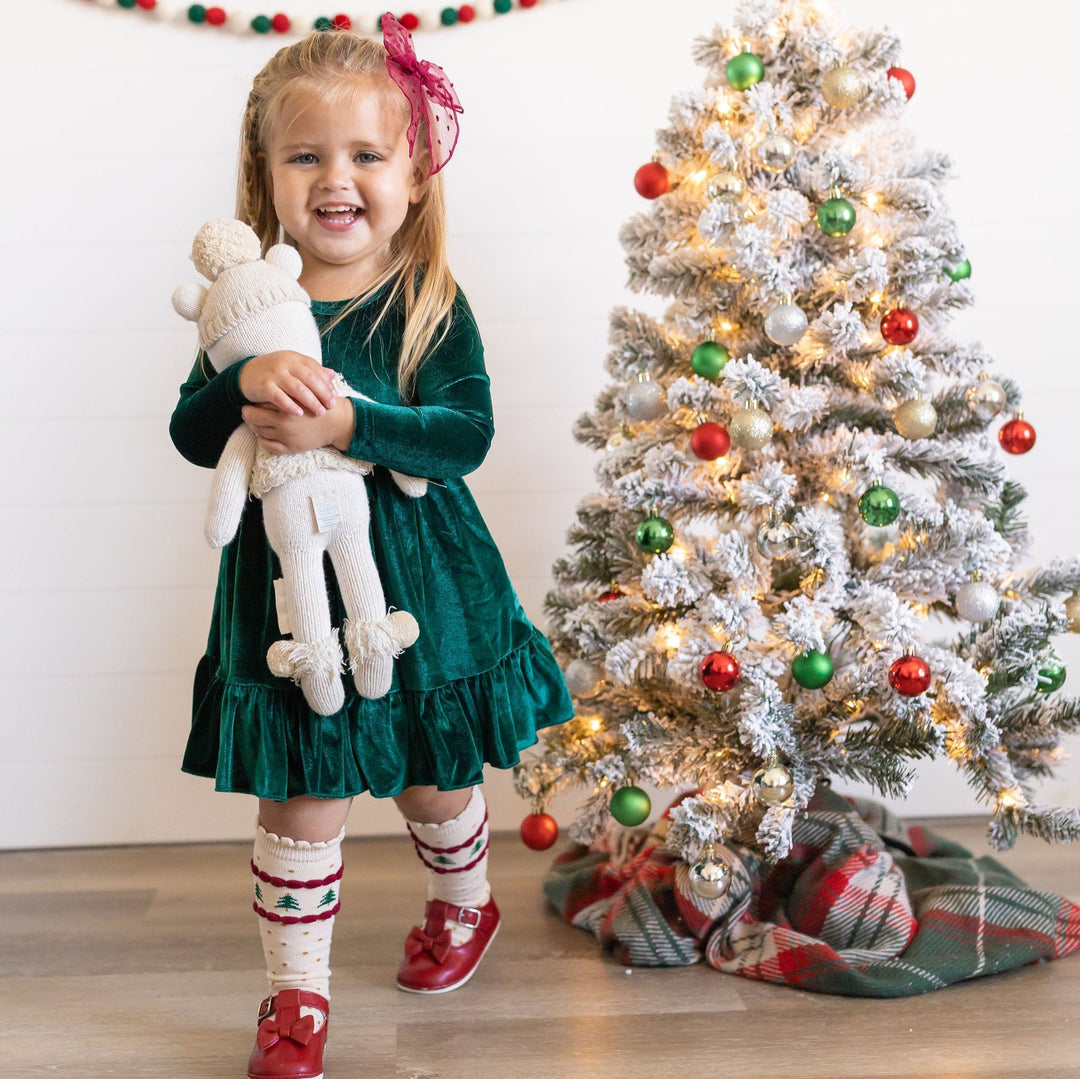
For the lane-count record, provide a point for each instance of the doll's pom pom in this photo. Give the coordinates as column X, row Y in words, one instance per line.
column 188, row 301
column 286, row 259
column 221, row 243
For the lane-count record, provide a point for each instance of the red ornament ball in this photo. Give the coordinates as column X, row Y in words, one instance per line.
column 905, row 77
column 899, row 326
column 720, row 671
column 466, row 13
column 215, row 16
column 609, row 595
column 910, row 676
column 539, row 831
column 709, row 441
column 652, row 180
column 342, row 22
column 281, row 23
column 1017, row 436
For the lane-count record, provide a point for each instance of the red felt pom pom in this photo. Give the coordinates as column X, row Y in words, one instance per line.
column 147, row 5
column 709, row 441
column 215, row 16
column 341, row 22
column 466, row 13
column 910, row 676
column 720, row 671
column 410, row 21
column 527, row 3
column 899, row 326
column 281, row 23
column 652, row 180
column 902, row 75
column 539, row 831
column 1017, row 436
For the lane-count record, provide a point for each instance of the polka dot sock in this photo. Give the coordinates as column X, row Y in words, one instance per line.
column 456, row 854
column 297, row 894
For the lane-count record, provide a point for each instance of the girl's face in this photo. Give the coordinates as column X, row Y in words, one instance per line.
column 342, row 182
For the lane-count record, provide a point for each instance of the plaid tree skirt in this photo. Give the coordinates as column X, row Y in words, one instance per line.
column 840, row 915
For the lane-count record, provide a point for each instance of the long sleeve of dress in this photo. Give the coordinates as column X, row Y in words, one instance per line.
column 207, row 413
column 447, row 430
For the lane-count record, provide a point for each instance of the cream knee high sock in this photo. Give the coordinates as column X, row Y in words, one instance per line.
column 297, row 895
column 455, row 854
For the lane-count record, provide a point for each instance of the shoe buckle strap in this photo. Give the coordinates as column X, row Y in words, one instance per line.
column 467, row 916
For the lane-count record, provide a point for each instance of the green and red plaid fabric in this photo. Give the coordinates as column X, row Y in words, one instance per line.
column 841, row 914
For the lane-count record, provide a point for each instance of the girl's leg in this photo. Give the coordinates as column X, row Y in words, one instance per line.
column 450, row 832
column 297, row 872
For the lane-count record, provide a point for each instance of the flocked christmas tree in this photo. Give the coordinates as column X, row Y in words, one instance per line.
column 802, row 559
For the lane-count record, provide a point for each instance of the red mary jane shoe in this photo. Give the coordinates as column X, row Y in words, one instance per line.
column 287, row 1045
column 432, row 964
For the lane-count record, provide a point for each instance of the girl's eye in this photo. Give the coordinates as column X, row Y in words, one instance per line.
column 366, row 157
column 304, row 159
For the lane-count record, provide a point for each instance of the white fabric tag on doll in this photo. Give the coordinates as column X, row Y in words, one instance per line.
column 325, row 508
column 281, row 602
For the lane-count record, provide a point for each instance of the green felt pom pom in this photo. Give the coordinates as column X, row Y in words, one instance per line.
column 196, row 13
column 126, row 3
column 323, row 23
column 448, row 16
column 261, row 24
column 502, row 6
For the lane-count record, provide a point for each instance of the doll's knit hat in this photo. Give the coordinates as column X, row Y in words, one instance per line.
column 228, row 253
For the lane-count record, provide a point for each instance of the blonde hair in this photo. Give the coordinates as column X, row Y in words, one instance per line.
column 333, row 64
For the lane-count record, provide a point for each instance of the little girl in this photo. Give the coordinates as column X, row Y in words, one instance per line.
column 342, row 143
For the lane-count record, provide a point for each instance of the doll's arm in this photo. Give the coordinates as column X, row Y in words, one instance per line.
column 228, row 492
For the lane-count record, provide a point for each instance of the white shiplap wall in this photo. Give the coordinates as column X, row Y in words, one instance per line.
column 121, row 135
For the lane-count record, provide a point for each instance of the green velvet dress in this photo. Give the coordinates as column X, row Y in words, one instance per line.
column 481, row 679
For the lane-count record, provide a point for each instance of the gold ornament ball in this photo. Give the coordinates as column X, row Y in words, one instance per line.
column 916, row 419
column 1072, row 609
column 751, row 429
column 773, row 784
column 843, row 87
column 727, row 186
column 710, row 878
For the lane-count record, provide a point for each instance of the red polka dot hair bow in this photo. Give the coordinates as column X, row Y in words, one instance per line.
column 430, row 93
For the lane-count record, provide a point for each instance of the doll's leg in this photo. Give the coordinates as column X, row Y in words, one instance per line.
column 373, row 635
column 297, row 870
column 450, row 832
column 313, row 656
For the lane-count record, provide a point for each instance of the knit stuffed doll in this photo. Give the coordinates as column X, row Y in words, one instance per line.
column 313, row 502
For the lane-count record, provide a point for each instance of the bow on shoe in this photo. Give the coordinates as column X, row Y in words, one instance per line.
column 418, row 941
column 273, row 1030
column 430, row 94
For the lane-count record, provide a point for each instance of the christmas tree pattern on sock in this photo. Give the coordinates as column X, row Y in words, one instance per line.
column 455, row 854
column 297, row 894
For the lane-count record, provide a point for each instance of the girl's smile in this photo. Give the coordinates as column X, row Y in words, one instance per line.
column 342, row 183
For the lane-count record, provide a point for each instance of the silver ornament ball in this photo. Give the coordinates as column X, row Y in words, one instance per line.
column 773, row 784
column 977, row 601
column 583, row 678
column 710, row 878
column 751, row 429
column 727, row 186
column 843, row 87
column 985, row 399
column 785, row 325
column 916, row 418
column 645, row 400
column 775, row 153
column 777, row 539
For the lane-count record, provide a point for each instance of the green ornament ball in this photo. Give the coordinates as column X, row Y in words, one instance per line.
column 959, row 273
column 744, row 70
column 879, row 506
column 654, row 535
column 630, row 806
column 812, row 669
column 1051, row 677
column 708, row 359
column 836, row 217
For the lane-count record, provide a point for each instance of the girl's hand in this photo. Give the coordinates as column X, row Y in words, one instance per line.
column 289, row 381
column 284, row 432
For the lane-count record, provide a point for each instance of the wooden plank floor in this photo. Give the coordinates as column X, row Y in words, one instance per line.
column 144, row 962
